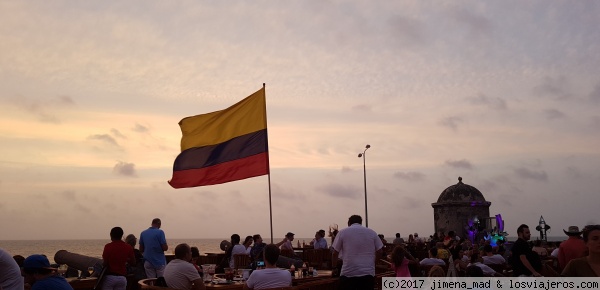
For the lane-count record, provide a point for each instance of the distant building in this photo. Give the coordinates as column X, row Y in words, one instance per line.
column 456, row 208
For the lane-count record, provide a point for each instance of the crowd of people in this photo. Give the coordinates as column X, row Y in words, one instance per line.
column 356, row 253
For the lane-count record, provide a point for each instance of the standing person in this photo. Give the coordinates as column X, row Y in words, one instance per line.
column 588, row 266
column 39, row 274
column 117, row 254
column 271, row 276
column 180, row 273
column 400, row 259
column 360, row 247
column 137, row 270
column 573, row 248
column 153, row 245
column 10, row 273
column 524, row 261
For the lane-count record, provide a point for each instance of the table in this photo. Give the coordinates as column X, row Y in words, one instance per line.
column 82, row 284
column 322, row 274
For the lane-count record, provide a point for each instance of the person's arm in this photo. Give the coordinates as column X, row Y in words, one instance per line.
column 281, row 243
column 198, row 284
column 164, row 247
column 527, row 265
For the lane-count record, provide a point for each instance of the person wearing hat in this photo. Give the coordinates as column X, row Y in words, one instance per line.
column 39, row 274
column 10, row 273
column 286, row 243
column 572, row 248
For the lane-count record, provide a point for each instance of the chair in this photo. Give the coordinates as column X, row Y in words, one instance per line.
column 149, row 284
column 287, row 253
column 379, row 278
column 323, row 284
column 241, row 261
column 318, row 258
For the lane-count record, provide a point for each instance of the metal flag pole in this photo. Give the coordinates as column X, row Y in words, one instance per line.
column 269, row 167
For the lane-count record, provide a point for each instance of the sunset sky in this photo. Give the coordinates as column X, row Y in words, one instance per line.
column 505, row 94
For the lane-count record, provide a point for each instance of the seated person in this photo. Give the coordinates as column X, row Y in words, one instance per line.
column 286, row 243
column 256, row 254
column 10, row 271
column 319, row 241
column 180, row 273
column 271, row 276
column 489, row 258
column 236, row 249
column 38, row 273
column 432, row 260
column 475, row 261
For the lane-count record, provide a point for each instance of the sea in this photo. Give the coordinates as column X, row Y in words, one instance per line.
column 94, row 248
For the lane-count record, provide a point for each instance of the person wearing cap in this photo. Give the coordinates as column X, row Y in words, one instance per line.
column 39, row 274
column 153, row 245
column 572, row 248
column 116, row 255
column 286, row 243
column 10, row 273
column 319, row 241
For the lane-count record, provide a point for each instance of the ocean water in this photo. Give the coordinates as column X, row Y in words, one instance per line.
column 91, row 248
column 94, row 248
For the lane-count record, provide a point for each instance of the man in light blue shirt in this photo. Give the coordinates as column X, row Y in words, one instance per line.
column 153, row 245
column 319, row 242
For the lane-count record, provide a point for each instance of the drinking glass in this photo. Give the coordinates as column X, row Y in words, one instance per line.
column 91, row 271
column 78, row 274
column 62, row 269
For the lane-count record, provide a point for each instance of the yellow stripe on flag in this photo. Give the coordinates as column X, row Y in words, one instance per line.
column 247, row 116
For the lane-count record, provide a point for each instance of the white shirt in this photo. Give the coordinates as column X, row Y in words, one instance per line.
column 358, row 245
column 432, row 261
column 179, row 274
column 10, row 273
column 287, row 245
column 237, row 249
column 269, row 278
column 485, row 268
column 555, row 253
column 495, row 259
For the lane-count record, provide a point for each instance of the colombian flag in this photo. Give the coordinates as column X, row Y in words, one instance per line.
column 223, row 146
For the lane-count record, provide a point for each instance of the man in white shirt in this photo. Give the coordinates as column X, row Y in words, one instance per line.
column 271, row 276
column 489, row 258
column 319, row 242
column 432, row 260
column 487, row 271
column 180, row 273
column 360, row 247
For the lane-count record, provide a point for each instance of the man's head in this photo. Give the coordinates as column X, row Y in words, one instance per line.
column 354, row 219
column 131, row 240
column 156, row 223
column 290, row 236
column 321, row 233
column 397, row 235
column 433, row 252
column 257, row 239
column 183, row 252
column 36, row 267
column 271, row 254
column 488, row 249
column 116, row 233
column 235, row 239
column 523, row 232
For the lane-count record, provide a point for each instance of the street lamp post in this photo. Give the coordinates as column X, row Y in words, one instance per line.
column 363, row 155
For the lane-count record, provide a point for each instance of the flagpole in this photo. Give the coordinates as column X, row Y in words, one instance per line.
column 269, row 167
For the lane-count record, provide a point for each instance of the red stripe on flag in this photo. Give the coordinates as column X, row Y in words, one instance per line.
column 251, row 166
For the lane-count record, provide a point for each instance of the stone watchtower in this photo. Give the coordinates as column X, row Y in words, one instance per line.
column 457, row 206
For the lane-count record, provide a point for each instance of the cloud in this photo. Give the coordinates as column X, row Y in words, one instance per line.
column 477, row 26
column 526, row 173
column 117, row 133
column 42, row 109
column 104, row 138
column 412, row 176
column 347, row 169
column 451, row 122
column 140, row 128
column 552, row 114
column 498, row 104
column 464, row 164
column 338, row 190
column 573, row 172
column 556, row 88
column 68, row 194
column 125, row 169
column 407, row 31
column 362, row 108
column 595, row 94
